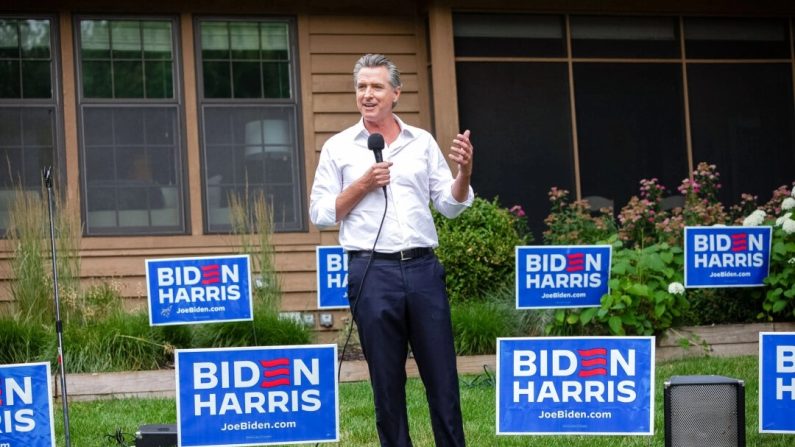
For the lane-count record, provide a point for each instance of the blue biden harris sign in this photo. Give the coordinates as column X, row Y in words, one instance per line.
column 727, row 256
column 257, row 396
column 199, row 290
column 575, row 385
column 26, row 418
column 562, row 276
column 777, row 382
column 332, row 277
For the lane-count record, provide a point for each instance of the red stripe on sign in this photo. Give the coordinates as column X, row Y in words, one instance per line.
column 575, row 255
column 739, row 236
column 275, row 362
column 210, row 281
column 593, row 362
column 277, row 372
column 592, row 352
column 739, row 247
column 273, row 383
column 210, row 267
column 593, row 372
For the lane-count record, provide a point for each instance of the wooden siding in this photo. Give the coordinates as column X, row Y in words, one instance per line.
column 329, row 43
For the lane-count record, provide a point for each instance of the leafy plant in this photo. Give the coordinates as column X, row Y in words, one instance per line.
column 477, row 324
column 641, row 300
column 266, row 329
column 119, row 342
column 780, row 295
column 477, row 249
column 571, row 222
column 22, row 341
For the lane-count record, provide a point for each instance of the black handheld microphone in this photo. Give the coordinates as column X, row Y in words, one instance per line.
column 375, row 142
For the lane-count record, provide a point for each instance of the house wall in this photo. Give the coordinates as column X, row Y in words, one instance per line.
column 330, row 37
column 329, row 41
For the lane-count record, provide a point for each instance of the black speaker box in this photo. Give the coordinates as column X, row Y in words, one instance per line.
column 156, row 435
column 704, row 411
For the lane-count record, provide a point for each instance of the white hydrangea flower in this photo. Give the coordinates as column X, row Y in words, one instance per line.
column 788, row 226
column 676, row 288
column 788, row 203
column 780, row 220
column 755, row 219
column 791, row 261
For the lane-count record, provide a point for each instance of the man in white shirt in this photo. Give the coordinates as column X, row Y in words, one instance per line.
column 395, row 283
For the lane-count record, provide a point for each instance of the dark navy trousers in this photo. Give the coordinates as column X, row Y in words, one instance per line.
column 405, row 303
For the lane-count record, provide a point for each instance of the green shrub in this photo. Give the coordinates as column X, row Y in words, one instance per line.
column 267, row 329
column 779, row 299
column 23, row 341
column 119, row 342
column 477, row 324
column 477, row 249
column 640, row 301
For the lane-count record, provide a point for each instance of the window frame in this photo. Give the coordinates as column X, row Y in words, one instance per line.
column 294, row 101
column 177, row 101
column 54, row 103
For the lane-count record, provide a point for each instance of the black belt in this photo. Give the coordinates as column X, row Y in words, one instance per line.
column 403, row 255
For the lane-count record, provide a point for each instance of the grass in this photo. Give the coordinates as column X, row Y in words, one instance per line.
column 92, row 422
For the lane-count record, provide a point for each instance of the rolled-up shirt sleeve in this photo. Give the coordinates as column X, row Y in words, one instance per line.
column 325, row 189
column 441, row 184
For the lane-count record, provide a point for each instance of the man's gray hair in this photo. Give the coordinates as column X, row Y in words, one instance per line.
column 374, row 61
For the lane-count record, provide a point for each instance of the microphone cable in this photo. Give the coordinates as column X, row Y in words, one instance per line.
column 361, row 288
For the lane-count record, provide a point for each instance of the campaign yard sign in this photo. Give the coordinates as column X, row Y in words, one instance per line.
column 26, row 418
column 727, row 256
column 777, row 382
column 332, row 277
column 575, row 386
column 562, row 276
column 257, row 395
column 199, row 290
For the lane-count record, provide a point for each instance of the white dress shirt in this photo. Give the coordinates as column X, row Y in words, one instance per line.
column 419, row 175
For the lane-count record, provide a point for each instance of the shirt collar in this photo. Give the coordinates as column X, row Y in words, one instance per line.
column 362, row 133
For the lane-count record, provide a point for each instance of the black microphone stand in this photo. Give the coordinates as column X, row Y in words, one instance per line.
column 47, row 174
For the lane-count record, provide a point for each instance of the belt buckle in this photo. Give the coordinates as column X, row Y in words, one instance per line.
column 405, row 255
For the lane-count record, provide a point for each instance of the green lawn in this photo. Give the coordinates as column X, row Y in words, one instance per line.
column 91, row 422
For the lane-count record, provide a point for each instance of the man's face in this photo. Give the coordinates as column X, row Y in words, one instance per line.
column 375, row 95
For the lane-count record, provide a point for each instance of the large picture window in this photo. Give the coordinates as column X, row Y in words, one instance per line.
column 28, row 107
column 129, row 111
column 249, row 119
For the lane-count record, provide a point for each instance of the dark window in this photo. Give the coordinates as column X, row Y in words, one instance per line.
column 630, row 124
column 630, row 37
column 131, row 143
column 508, row 35
column 245, row 59
column 742, row 121
column 520, row 119
column 28, row 107
column 735, row 38
column 127, row 58
column 250, row 120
